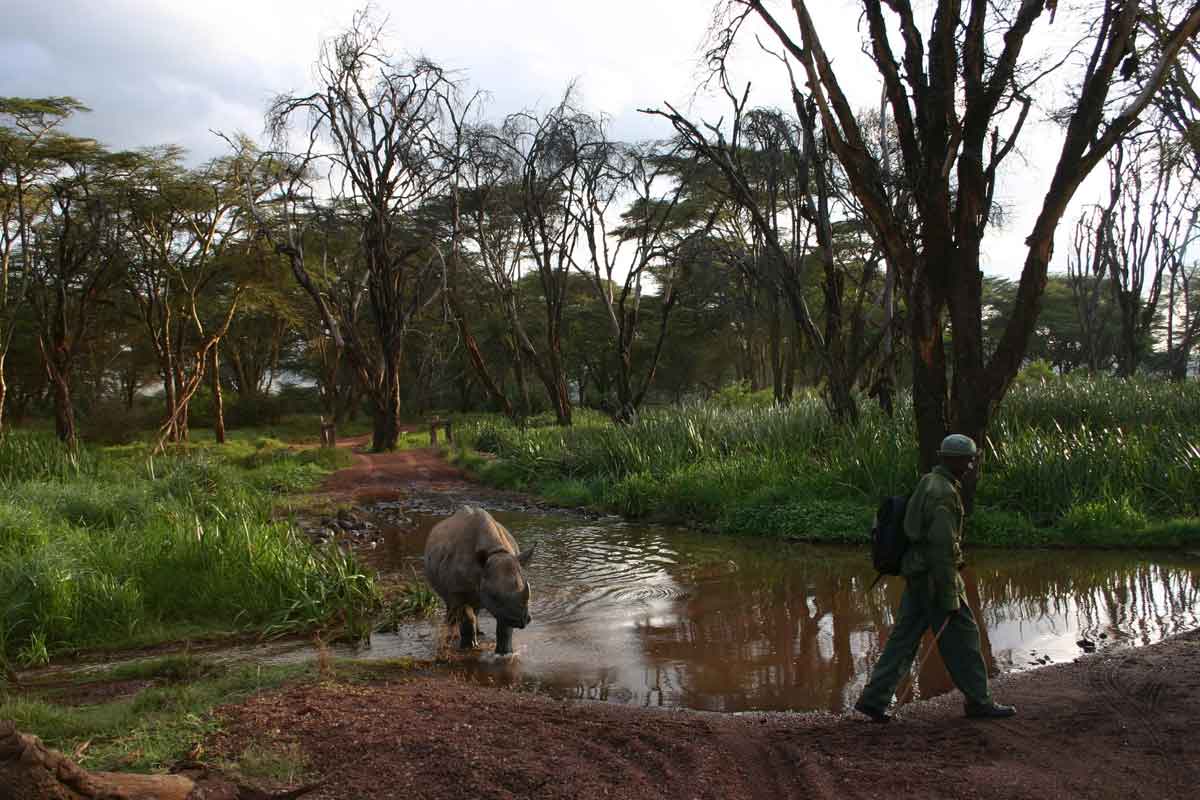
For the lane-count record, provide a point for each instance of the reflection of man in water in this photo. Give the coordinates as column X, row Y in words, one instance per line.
column 934, row 594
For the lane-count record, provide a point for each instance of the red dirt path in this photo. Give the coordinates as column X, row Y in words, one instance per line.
column 386, row 476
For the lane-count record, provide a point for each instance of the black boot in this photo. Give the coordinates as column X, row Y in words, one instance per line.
column 989, row 710
column 876, row 714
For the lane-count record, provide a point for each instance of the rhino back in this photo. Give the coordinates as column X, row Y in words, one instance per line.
column 451, row 563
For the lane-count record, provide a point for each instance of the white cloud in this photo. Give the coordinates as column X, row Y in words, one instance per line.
column 169, row 71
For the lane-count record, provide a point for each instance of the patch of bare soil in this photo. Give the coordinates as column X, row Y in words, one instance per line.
column 386, row 476
column 1115, row 725
column 89, row 694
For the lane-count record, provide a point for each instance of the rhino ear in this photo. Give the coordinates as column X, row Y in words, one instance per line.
column 525, row 555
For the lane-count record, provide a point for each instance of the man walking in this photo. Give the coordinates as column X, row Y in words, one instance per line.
column 934, row 595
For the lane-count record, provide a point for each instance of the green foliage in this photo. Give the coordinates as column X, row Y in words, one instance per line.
column 176, row 667
column 810, row 519
column 1035, row 372
column 1069, row 460
column 30, row 456
column 114, row 549
column 150, row 731
column 567, row 493
column 739, row 395
column 1102, row 514
column 411, row 599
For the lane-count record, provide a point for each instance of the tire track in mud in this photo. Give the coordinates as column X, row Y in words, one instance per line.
column 1138, row 699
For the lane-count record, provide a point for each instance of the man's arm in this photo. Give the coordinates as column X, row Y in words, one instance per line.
column 942, row 554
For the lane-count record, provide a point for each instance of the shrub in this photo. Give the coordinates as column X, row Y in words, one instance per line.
column 740, row 395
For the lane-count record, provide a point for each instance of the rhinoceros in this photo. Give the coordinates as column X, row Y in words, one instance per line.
column 472, row 562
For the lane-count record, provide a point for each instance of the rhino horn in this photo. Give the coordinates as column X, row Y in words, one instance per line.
column 525, row 555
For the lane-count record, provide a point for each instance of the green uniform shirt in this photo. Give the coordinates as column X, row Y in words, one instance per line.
column 933, row 523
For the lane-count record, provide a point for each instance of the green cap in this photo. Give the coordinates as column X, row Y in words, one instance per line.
column 958, row 445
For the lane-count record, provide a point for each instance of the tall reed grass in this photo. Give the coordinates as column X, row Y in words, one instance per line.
column 1071, row 460
column 108, row 548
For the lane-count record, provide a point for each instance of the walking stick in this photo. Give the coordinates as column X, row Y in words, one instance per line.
column 912, row 675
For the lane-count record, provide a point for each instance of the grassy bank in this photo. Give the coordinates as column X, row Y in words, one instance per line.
column 1070, row 461
column 145, row 715
column 167, row 715
column 111, row 548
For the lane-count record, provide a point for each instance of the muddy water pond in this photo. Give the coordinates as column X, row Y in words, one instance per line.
column 666, row 617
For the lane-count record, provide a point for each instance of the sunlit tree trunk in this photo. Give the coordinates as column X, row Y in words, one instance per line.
column 218, row 397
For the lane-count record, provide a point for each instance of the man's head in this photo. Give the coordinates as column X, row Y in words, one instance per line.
column 958, row 454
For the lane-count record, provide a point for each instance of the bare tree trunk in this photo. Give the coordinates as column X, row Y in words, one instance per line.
column 388, row 408
column 518, row 361
column 3, row 390
column 481, row 370
column 64, row 411
column 178, row 411
column 58, row 369
column 929, row 375
column 775, row 329
column 218, row 398
column 789, row 370
column 562, row 395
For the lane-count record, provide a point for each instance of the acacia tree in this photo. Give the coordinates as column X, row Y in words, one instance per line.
column 74, row 258
column 183, row 226
column 477, row 224
column 512, row 219
column 1087, row 271
column 1183, row 316
column 1143, row 236
column 775, row 169
column 550, row 149
column 375, row 136
column 29, row 139
column 951, row 88
column 490, row 247
column 652, row 237
column 269, row 327
column 544, row 152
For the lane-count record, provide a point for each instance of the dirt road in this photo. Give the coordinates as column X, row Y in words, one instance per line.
column 1121, row 724
column 386, row 476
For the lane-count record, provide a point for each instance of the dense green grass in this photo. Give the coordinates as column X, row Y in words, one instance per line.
column 112, row 548
column 1074, row 461
column 164, row 721
column 157, row 726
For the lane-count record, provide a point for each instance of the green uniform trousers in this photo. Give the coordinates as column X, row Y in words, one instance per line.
column 959, row 646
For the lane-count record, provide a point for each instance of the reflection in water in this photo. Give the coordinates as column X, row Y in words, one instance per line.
column 660, row 616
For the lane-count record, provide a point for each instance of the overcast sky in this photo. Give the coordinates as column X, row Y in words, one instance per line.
column 169, row 71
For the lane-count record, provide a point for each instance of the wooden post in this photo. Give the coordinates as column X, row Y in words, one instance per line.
column 449, row 433
column 433, row 433
column 328, row 432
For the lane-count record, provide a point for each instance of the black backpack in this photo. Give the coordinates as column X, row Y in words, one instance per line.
column 888, row 539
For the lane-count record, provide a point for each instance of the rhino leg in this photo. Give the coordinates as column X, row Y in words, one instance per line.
column 467, row 639
column 503, row 639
